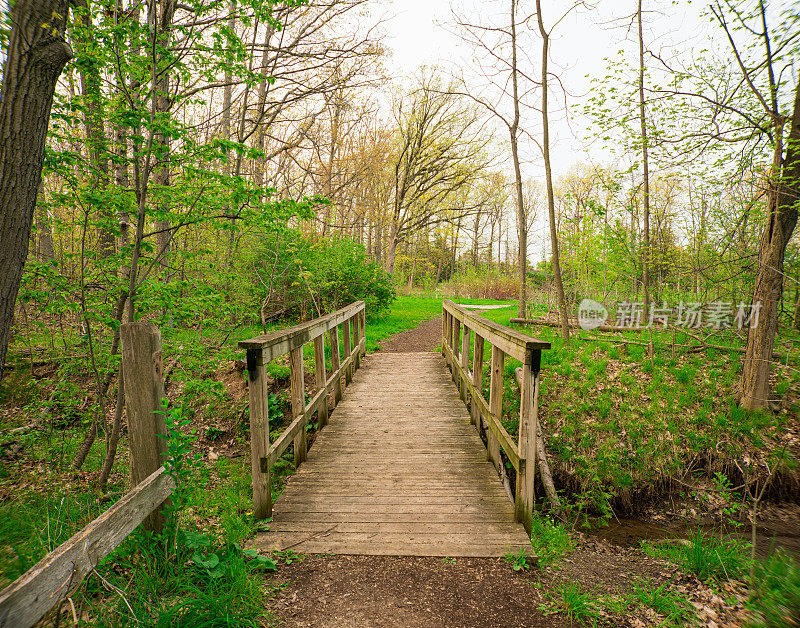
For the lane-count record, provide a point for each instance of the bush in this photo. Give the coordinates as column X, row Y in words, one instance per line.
column 308, row 276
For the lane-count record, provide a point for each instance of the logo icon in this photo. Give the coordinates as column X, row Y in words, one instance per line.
column 591, row 314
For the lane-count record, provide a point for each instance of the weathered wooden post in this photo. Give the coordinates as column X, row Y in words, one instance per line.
column 143, row 364
column 259, row 433
column 528, row 427
column 495, row 404
column 320, row 378
column 462, row 384
column 357, row 340
column 348, row 349
column 363, row 318
column 298, row 392
column 477, row 380
column 454, row 347
column 336, row 362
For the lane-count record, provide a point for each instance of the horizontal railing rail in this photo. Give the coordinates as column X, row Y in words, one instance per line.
column 26, row 600
column 458, row 325
column 265, row 348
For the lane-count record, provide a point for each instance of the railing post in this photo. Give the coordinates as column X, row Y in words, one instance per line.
column 447, row 335
column 143, row 365
column 462, row 382
column 298, row 392
column 362, row 317
column 259, row 434
column 477, row 380
column 528, row 427
column 348, row 349
column 320, row 378
column 357, row 340
column 495, row 404
column 454, row 346
column 336, row 362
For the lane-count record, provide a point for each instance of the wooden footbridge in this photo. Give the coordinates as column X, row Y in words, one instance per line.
column 400, row 466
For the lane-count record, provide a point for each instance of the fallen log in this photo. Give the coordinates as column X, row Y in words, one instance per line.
column 574, row 325
column 544, row 467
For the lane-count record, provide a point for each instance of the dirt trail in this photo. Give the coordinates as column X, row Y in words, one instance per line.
column 423, row 338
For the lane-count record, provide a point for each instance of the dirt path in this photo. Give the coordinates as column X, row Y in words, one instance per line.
column 423, row 338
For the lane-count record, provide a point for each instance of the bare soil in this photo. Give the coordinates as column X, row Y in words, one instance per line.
column 426, row 592
column 423, row 338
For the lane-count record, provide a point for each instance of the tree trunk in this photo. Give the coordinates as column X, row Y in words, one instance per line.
column 646, row 175
column 37, row 53
column 522, row 223
column 163, row 103
column 768, row 290
column 562, row 302
column 87, row 62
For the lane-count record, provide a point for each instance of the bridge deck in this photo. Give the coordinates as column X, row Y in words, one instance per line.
column 399, row 470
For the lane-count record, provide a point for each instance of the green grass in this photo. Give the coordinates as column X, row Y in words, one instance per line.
column 407, row 312
column 550, row 540
column 577, row 604
column 707, row 557
column 662, row 601
column 775, row 599
column 619, row 422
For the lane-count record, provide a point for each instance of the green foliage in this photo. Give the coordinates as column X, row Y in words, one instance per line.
column 775, row 599
column 550, row 540
column 317, row 276
column 518, row 560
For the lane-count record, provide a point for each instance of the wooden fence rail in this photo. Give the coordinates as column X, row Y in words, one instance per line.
column 458, row 325
column 261, row 350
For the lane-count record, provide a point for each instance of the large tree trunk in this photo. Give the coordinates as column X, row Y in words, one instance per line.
column 768, row 291
column 37, row 53
column 562, row 302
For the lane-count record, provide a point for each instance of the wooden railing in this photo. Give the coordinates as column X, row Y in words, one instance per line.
column 261, row 350
column 50, row 581
column 458, row 326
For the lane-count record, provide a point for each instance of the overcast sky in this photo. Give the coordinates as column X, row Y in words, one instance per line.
column 421, row 32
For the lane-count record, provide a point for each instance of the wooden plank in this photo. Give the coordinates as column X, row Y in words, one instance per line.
column 348, row 350
column 259, row 434
column 283, row 341
column 524, row 498
column 49, row 581
column 464, row 355
column 320, row 378
column 495, row 403
column 333, row 338
column 143, row 366
column 477, row 378
column 298, row 395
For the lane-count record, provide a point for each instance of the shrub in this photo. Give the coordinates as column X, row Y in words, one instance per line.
column 297, row 273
